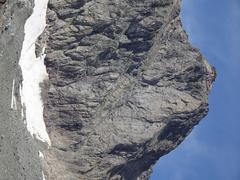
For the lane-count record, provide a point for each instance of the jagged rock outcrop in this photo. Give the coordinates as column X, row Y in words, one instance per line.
column 125, row 87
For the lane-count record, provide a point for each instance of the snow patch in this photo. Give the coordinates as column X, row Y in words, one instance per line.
column 43, row 177
column 41, row 157
column 40, row 154
column 13, row 101
column 21, row 95
column 34, row 72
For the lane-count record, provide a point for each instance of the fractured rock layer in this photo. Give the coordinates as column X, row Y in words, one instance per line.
column 125, row 87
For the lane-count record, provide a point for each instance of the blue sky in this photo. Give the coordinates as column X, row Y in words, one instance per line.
column 212, row 150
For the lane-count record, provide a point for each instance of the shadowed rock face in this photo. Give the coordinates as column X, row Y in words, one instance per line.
column 125, row 87
column 2, row 1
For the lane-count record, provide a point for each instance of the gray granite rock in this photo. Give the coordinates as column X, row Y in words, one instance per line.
column 126, row 87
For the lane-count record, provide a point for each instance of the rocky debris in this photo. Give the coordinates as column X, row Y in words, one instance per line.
column 125, row 87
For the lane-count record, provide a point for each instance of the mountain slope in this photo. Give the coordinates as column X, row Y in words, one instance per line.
column 124, row 87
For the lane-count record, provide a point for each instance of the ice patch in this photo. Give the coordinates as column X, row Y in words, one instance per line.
column 21, row 95
column 34, row 72
column 13, row 101
column 40, row 154
column 43, row 177
column 41, row 157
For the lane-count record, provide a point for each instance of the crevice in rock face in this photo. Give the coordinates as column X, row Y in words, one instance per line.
column 2, row 1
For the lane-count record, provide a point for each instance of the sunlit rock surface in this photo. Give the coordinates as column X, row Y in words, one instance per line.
column 125, row 87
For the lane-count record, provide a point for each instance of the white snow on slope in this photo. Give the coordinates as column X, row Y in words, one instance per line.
column 34, row 72
column 40, row 154
column 43, row 177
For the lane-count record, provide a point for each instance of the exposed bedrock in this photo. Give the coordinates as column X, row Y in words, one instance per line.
column 125, row 87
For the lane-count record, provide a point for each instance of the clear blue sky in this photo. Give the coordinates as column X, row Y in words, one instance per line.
column 212, row 151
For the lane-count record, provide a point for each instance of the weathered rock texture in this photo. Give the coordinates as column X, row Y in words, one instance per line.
column 125, row 87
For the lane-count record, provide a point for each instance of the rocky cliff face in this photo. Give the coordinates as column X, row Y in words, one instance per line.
column 125, row 87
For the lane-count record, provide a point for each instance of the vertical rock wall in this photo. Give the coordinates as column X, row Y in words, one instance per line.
column 125, row 87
